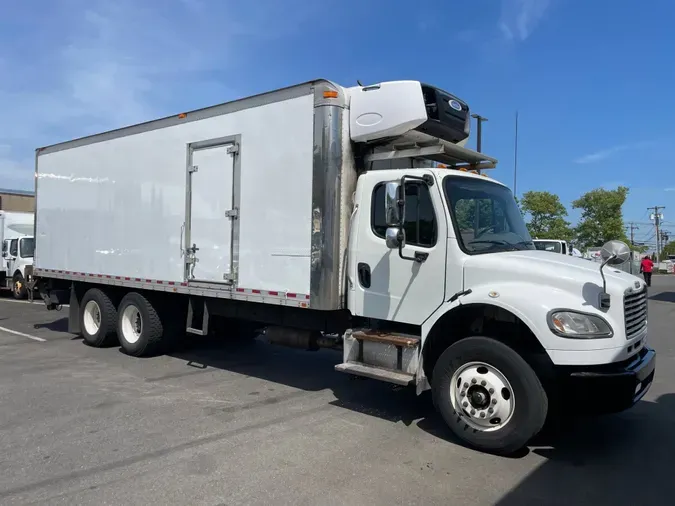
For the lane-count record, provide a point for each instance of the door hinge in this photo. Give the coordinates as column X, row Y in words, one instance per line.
column 193, row 168
column 233, row 149
column 232, row 213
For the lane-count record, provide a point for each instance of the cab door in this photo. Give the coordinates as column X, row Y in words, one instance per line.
column 12, row 256
column 384, row 285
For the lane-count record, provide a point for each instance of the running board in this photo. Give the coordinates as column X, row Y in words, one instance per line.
column 377, row 373
column 197, row 332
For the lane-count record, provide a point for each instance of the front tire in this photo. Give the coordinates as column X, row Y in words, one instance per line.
column 19, row 290
column 98, row 319
column 489, row 395
column 139, row 326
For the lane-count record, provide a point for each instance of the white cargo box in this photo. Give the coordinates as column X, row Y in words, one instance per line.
column 248, row 183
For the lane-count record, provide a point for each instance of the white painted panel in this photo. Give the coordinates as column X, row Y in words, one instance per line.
column 210, row 228
column 385, row 110
column 117, row 207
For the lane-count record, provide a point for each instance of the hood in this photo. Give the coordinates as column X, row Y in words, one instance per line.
column 558, row 271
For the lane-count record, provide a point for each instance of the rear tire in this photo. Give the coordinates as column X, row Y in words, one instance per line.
column 139, row 327
column 19, row 290
column 98, row 319
column 488, row 395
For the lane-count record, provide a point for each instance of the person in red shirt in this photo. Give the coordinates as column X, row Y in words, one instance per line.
column 646, row 267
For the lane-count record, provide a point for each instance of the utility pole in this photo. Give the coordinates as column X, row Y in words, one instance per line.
column 479, row 131
column 515, row 159
column 633, row 227
column 656, row 216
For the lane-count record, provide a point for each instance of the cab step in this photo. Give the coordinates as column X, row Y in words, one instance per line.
column 377, row 373
column 395, row 339
column 386, row 356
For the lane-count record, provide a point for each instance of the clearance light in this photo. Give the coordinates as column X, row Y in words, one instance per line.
column 182, row 115
column 330, row 94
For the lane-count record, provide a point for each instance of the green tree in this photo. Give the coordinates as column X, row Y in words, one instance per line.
column 547, row 216
column 668, row 249
column 601, row 216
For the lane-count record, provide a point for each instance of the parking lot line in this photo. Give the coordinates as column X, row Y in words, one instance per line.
column 16, row 333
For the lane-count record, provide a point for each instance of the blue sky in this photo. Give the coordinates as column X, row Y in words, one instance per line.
column 592, row 80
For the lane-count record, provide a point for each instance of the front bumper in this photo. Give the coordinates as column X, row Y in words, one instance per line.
column 609, row 388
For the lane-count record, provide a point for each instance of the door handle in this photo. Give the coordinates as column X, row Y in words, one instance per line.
column 364, row 274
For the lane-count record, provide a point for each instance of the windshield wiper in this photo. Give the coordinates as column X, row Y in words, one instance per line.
column 510, row 247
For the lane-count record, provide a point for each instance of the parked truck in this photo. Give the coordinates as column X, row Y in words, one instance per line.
column 352, row 218
column 18, row 244
column 553, row 245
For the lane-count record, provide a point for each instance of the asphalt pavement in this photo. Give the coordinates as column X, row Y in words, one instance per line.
column 221, row 423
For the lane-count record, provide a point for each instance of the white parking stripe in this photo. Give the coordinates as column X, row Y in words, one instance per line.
column 21, row 301
column 10, row 331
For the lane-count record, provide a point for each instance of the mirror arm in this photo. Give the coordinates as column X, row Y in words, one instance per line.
column 604, row 296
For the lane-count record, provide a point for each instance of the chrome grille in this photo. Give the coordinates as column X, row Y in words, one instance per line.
column 635, row 312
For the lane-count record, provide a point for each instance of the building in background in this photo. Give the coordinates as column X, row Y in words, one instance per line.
column 17, row 200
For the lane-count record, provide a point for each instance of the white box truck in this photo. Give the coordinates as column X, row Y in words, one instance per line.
column 18, row 244
column 321, row 213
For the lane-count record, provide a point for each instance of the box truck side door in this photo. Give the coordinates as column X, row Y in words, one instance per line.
column 211, row 211
column 387, row 286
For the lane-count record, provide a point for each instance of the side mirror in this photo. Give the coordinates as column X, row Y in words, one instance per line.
column 393, row 211
column 615, row 252
column 395, row 238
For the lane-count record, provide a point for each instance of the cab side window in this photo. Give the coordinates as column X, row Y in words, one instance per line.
column 420, row 218
column 14, row 247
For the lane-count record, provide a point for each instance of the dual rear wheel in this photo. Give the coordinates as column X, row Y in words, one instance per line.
column 134, row 322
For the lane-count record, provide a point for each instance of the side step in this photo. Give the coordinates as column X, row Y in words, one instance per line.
column 384, row 356
column 374, row 336
column 377, row 373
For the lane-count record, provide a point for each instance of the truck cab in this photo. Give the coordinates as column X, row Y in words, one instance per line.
column 18, row 245
column 444, row 252
column 17, row 255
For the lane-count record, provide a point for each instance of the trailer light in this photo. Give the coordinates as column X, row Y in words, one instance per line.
column 330, row 94
column 182, row 115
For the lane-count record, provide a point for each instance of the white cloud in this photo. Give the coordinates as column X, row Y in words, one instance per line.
column 669, row 189
column 609, row 152
column 519, row 18
column 111, row 64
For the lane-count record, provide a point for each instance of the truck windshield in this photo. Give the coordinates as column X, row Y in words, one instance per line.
column 27, row 247
column 554, row 246
column 486, row 217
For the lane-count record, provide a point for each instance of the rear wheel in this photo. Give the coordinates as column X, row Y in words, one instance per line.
column 489, row 395
column 139, row 326
column 98, row 318
column 19, row 290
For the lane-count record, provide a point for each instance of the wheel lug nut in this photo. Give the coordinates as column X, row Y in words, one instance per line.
column 492, row 390
column 466, row 385
column 473, row 412
column 466, row 404
column 474, row 381
column 483, row 382
column 482, row 415
column 494, row 401
column 490, row 410
column 462, row 394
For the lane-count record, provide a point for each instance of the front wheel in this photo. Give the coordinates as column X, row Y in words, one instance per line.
column 489, row 395
column 19, row 290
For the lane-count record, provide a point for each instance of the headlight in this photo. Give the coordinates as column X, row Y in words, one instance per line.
column 575, row 325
